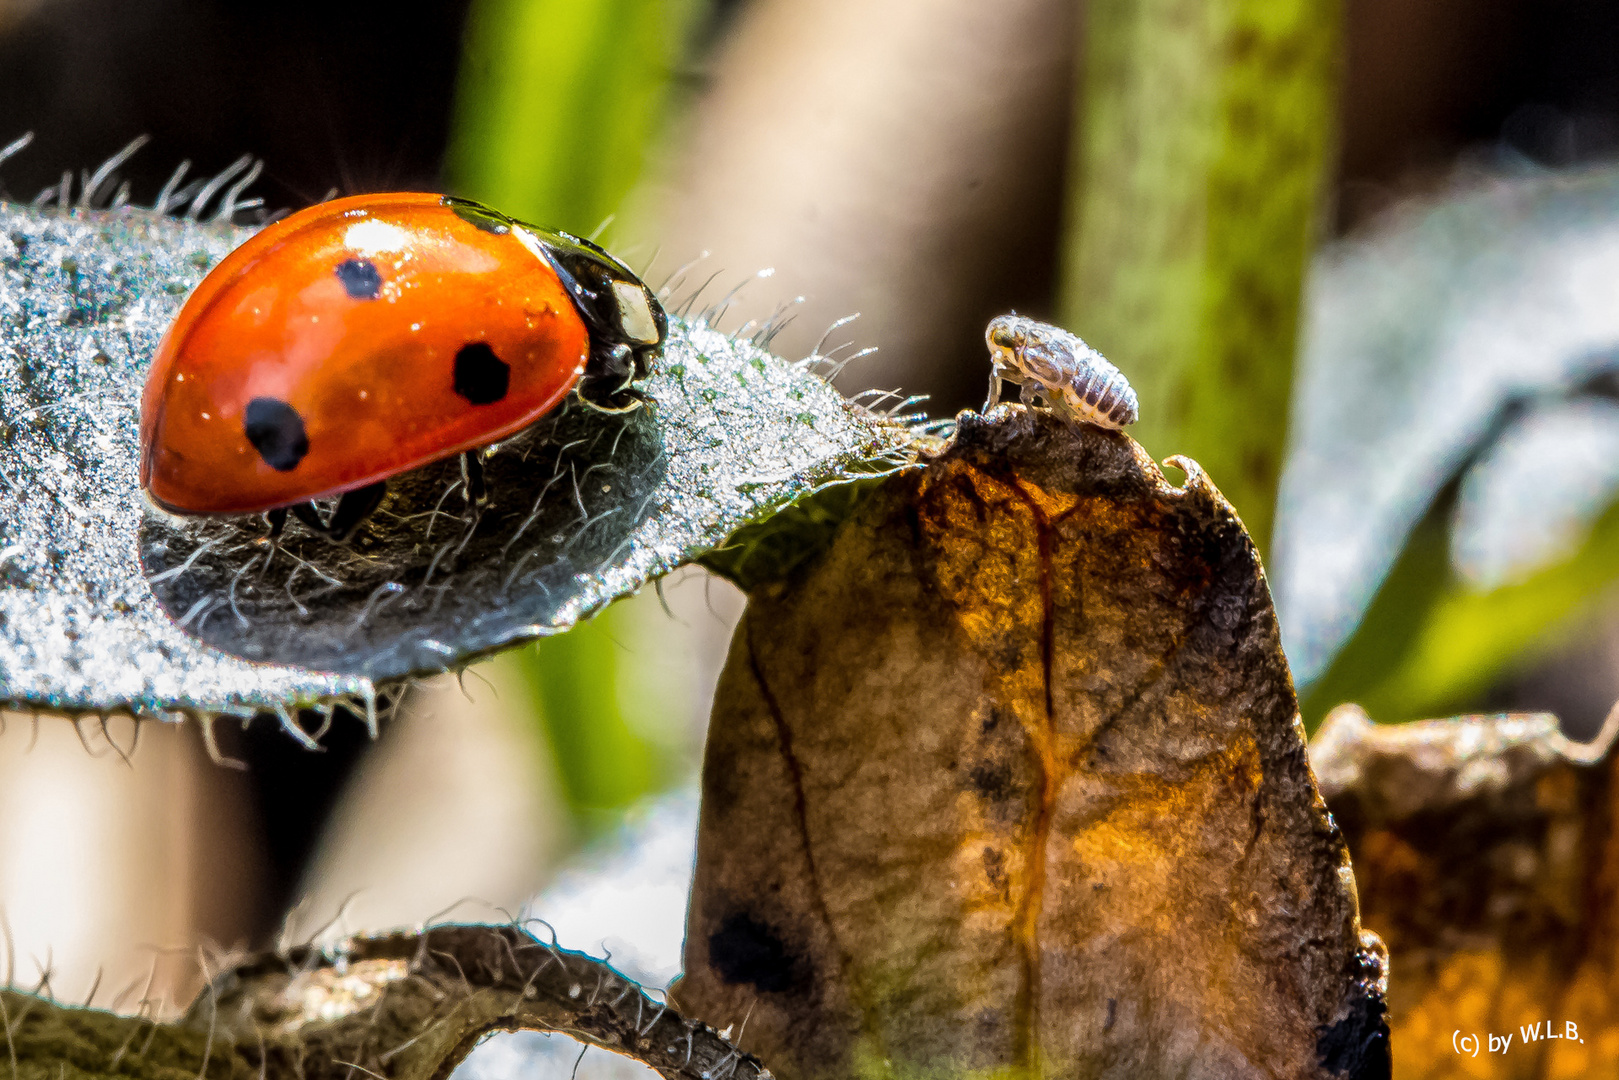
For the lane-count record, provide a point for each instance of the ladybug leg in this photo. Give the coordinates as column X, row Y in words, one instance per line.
column 609, row 399
column 276, row 520
column 306, row 513
column 608, row 375
column 472, row 481
column 353, row 508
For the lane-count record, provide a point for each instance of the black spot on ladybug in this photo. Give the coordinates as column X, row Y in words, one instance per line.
column 745, row 950
column 277, row 432
column 360, row 278
column 480, row 376
column 479, row 215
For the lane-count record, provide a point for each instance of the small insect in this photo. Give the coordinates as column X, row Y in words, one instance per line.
column 1077, row 381
column 368, row 336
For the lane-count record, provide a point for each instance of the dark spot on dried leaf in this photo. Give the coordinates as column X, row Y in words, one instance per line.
column 746, row 951
column 1357, row 1047
column 992, row 780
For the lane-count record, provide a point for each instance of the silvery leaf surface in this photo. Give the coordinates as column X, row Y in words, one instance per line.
column 1417, row 340
column 1521, row 506
column 107, row 604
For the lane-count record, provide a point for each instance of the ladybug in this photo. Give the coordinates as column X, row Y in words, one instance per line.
column 365, row 337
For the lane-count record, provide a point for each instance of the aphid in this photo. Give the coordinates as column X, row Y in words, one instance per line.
column 368, row 336
column 1077, row 382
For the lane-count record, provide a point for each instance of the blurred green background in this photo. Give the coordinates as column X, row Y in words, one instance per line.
column 1210, row 151
column 557, row 106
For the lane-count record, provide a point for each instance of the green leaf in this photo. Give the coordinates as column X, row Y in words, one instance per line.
column 575, row 681
column 1393, row 621
column 771, row 549
column 1431, row 644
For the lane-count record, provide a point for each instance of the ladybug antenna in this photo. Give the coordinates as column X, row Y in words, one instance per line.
column 90, row 184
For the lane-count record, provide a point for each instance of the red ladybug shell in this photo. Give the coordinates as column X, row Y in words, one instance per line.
column 348, row 343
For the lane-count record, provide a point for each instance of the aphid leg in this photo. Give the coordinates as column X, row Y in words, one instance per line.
column 472, row 481
column 1028, row 393
column 1061, row 405
column 994, row 398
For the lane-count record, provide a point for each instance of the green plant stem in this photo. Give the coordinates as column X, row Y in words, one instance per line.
column 605, row 765
column 559, row 101
column 1200, row 161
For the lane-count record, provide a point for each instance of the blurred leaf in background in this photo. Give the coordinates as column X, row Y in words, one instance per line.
column 1199, row 164
column 1447, row 516
column 558, row 105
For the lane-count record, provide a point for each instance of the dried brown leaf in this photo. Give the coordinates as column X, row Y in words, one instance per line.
column 1011, row 777
column 1487, row 855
